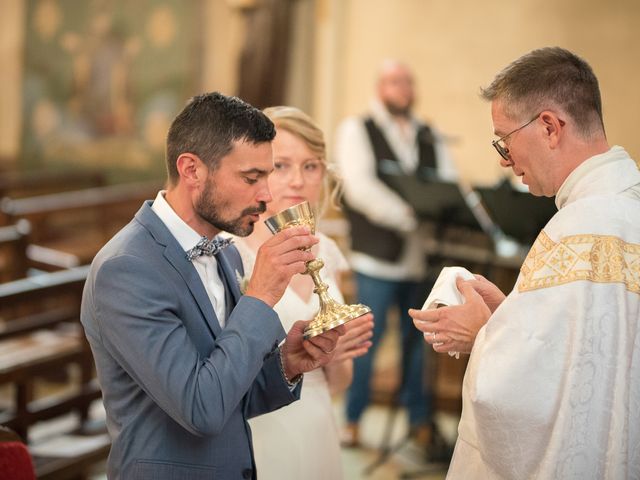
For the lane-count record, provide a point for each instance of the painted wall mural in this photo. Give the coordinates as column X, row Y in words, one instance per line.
column 104, row 78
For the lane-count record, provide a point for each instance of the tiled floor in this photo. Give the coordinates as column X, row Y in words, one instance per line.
column 385, row 452
column 368, row 462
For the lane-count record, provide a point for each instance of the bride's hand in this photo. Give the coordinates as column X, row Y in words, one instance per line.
column 356, row 341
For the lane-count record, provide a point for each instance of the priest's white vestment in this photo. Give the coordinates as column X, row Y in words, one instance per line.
column 552, row 389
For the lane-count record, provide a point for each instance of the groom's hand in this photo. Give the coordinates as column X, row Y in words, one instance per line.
column 300, row 356
column 279, row 259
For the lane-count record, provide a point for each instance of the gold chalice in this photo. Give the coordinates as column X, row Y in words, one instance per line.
column 331, row 314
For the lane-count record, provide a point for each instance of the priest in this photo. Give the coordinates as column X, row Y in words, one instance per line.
column 552, row 389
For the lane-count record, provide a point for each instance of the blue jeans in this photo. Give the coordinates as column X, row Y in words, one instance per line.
column 380, row 295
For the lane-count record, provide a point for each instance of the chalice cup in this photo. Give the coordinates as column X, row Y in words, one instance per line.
column 331, row 314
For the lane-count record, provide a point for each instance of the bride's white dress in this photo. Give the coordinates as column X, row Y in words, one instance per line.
column 300, row 441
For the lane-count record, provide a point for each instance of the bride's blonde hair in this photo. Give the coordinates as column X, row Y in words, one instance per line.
column 298, row 123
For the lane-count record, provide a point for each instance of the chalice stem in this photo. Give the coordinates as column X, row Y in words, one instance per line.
column 332, row 314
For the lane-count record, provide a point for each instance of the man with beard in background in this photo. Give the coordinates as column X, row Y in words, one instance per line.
column 387, row 254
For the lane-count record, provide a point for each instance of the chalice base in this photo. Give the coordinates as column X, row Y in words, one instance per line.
column 332, row 316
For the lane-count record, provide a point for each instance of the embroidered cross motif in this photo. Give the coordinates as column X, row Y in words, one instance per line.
column 562, row 259
column 594, row 258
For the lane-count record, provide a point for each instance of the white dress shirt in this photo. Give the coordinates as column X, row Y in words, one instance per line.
column 206, row 265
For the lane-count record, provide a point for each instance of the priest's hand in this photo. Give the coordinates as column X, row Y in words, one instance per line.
column 300, row 355
column 454, row 329
column 489, row 292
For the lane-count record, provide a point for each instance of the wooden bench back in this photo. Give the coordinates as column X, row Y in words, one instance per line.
column 13, row 251
column 19, row 184
column 77, row 223
column 42, row 293
column 101, row 208
column 40, row 334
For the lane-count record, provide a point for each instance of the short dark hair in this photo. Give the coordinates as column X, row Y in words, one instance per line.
column 208, row 126
column 547, row 77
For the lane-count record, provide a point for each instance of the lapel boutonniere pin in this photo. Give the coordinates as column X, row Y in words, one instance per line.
column 243, row 282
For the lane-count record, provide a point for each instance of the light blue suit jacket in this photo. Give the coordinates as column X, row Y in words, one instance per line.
column 178, row 389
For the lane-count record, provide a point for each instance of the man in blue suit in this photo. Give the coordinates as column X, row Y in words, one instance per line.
column 185, row 357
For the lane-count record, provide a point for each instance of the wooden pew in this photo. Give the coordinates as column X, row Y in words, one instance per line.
column 13, row 251
column 21, row 184
column 68, row 228
column 40, row 334
column 41, row 293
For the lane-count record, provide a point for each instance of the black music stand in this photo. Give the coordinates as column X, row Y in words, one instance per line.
column 519, row 215
column 436, row 200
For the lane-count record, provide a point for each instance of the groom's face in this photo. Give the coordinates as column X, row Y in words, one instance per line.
column 236, row 191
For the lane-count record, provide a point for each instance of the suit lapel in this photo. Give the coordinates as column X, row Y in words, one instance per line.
column 177, row 257
column 230, row 274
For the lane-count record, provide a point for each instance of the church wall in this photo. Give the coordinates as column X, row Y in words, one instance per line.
column 456, row 46
column 11, row 50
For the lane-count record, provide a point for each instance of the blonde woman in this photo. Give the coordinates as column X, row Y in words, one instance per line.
column 301, row 441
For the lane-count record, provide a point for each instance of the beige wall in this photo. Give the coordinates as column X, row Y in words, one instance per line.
column 11, row 53
column 456, row 46
column 223, row 35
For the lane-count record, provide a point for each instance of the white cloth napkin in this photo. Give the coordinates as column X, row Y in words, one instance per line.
column 445, row 292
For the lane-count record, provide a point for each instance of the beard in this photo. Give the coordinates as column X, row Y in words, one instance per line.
column 398, row 110
column 212, row 209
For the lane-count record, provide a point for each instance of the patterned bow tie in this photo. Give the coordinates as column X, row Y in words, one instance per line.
column 208, row 247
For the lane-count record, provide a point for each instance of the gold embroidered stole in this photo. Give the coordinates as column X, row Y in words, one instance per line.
column 595, row 258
